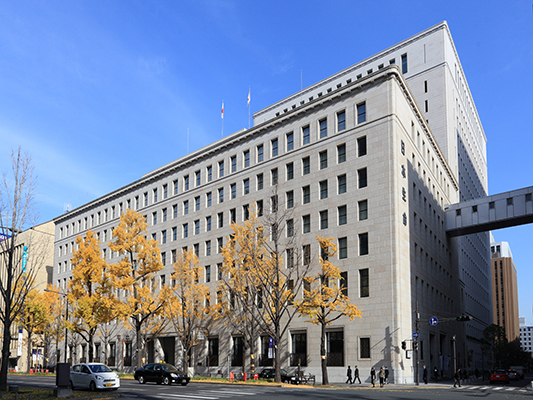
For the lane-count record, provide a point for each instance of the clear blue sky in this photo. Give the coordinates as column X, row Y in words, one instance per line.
column 101, row 92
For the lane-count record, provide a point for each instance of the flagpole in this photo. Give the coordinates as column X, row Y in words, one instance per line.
column 187, row 140
column 248, row 107
column 222, row 117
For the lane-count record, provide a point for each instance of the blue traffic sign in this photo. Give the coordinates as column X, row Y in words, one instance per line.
column 415, row 334
column 433, row 321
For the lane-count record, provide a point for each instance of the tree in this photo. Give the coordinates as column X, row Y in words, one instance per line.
column 258, row 249
column 497, row 340
column 135, row 274
column 90, row 290
column 33, row 319
column 324, row 298
column 188, row 307
column 55, row 327
column 17, row 274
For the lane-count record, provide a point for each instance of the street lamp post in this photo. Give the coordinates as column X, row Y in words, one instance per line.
column 66, row 317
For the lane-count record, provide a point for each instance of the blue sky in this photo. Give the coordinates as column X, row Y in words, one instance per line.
column 101, row 92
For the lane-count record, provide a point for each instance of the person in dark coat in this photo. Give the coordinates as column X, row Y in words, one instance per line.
column 349, row 375
column 373, row 376
column 436, row 374
column 386, row 375
column 425, row 375
column 356, row 374
column 381, row 377
column 457, row 378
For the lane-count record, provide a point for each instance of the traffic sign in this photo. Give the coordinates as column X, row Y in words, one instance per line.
column 433, row 321
column 415, row 334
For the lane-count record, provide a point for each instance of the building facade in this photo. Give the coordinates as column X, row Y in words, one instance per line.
column 505, row 290
column 526, row 336
column 370, row 156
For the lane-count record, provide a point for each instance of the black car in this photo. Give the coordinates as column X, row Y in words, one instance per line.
column 162, row 374
column 270, row 373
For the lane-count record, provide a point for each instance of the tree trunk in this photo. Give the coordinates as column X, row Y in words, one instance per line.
column 138, row 341
column 28, row 351
column 323, row 361
column 5, row 354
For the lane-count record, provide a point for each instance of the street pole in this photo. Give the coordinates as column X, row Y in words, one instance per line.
column 454, row 355
column 415, row 345
column 66, row 317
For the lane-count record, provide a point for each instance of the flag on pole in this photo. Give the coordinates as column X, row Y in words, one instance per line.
column 248, row 97
column 222, row 112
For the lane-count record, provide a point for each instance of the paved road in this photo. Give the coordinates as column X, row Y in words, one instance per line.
column 131, row 390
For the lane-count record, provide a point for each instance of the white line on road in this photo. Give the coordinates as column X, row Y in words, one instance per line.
column 498, row 388
column 188, row 396
column 485, row 387
column 512, row 388
column 230, row 392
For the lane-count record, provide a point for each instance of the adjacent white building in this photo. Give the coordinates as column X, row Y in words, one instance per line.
column 370, row 156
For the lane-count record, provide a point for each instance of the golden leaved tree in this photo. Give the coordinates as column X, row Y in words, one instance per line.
column 55, row 327
column 188, row 307
column 33, row 319
column 134, row 275
column 90, row 291
column 256, row 251
column 324, row 298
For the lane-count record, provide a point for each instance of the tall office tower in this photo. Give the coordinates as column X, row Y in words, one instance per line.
column 370, row 156
column 526, row 336
column 504, row 289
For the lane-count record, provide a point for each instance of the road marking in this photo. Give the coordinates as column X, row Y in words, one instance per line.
column 230, row 392
column 485, row 387
column 512, row 388
column 188, row 396
column 473, row 387
column 498, row 388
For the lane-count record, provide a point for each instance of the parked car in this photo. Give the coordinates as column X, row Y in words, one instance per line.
column 513, row 375
column 161, row 373
column 93, row 376
column 499, row 376
column 270, row 373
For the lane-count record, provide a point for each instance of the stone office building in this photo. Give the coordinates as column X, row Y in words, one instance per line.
column 370, row 156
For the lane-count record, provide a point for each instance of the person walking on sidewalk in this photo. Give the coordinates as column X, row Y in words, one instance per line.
column 381, row 377
column 356, row 375
column 425, row 375
column 436, row 374
column 386, row 375
column 373, row 376
column 457, row 378
column 349, row 375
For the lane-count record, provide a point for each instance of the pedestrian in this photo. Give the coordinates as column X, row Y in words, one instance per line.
column 381, row 377
column 425, row 375
column 373, row 377
column 436, row 374
column 457, row 378
column 356, row 375
column 349, row 375
column 386, row 375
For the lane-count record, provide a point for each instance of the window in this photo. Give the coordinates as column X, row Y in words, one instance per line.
column 220, row 169
column 233, row 215
column 246, row 155
column 154, row 196
column 234, row 164
column 197, row 203
column 209, row 173
column 274, row 147
column 208, row 273
column 208, row 223
column 154, row 218
column 361, row 146
column 306, row 221
column 163, row 237
column 274, row 203
column 233, row 188
column 361, row 176
column 260, row 153
column 323, row 159
column 185, row 230
column 341, row 153
column 274, row 176
column 306, row 165
column 341, row 181
column 305, row 135
column 186, row 207
column 341, row 121
column 260, row 182
column 290, row 171
column 363, row 210
column 323, row 128
column 404, row 63
column 364, row 346
column 220, row 220
column 324, row 219
column 335, row 348
column 307, row 256
column 174, row 234
column 208, row 248
column 197, row 227
column 343, row 215
column 165, row 192
column 290, row 228
column 259, row 208
column 361, row 113
column 145, row 199
column 175, row 183
column 246, row 186
column 208, row 199
column 343, row 248
column 290, row 141
column 220, row 244
column 186, row 182
column 290, row 199
column 196, row 249
column 221, row 195
column 364, row 290
column 306, row 194
column 323, row 189
column 198, row 175
column 344, row 283
column 363, row 244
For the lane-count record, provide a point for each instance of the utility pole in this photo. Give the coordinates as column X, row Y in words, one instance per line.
column 415, row 344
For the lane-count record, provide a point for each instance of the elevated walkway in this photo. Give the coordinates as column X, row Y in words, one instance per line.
column 489, row 213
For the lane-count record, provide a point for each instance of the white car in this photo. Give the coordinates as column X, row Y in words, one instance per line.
column 93, row 376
